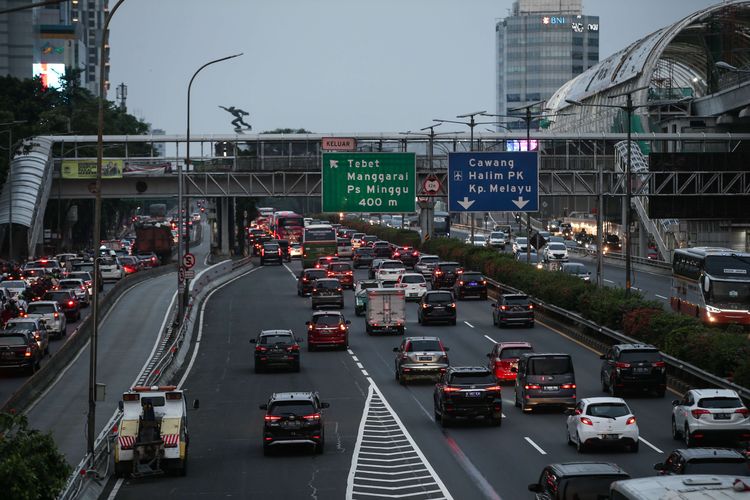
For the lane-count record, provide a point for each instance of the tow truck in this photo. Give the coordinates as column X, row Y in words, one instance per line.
column 152, row 435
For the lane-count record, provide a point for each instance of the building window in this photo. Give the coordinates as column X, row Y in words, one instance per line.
column 593, row 56
column 577, row 70
column 513, row 97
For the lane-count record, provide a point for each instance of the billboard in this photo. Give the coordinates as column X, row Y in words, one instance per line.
column 50, row 73
column 86, row 169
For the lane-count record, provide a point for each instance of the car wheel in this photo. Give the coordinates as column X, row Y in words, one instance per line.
column 613, row 390
column 483, row 296
column 516, row 402
column 634, row 447
column 580, row 448
column 258, row 368
column 605, row 387
column 661, row 393
column 453, row 322
column 567, row 435
column 266, row 450
column 295, row 367
column 688, row 438
column 402, row 379
column 496, row 421
column 437, row 415
column 78, row 316
column 494, row 320
column 445, row 420
column 676, row 434
column 310, row 347
column 320, row 447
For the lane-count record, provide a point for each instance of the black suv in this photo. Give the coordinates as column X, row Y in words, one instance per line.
column 468, row 392
column 470, row 283
column 513, row 308
column 633, row 366
column 577, row 480
column 444, row 274
column 271, row 252
column 294, row 418
column 362, row 257
column 436, row 306
column 327, row 292
column 276, row 348
column 19, row 349
column 306, row 279
column 723, row 461
column 381, row 249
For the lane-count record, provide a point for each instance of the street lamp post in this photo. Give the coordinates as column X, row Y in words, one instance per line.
column 182, row 217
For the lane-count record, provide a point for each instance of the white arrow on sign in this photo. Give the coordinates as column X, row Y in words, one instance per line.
column 466, row 202
column 333, row 163
column 520, row 202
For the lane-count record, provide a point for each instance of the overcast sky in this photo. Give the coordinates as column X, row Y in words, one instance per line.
column 330, row 65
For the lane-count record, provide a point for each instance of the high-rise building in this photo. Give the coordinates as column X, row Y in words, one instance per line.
column 48, row 40
column 540, row 46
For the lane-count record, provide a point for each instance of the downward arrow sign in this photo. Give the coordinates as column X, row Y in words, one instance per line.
column 466, row 203
column 520, row 202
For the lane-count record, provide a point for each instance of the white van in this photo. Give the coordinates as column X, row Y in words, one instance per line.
column 679, row 487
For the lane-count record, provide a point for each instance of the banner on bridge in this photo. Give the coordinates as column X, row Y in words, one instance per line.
column 86, row 169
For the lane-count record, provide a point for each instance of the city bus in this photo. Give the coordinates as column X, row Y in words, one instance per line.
column 287, row 225
column 712, row 284
column 318, row 240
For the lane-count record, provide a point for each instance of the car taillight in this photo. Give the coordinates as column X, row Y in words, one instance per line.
column 697, row 413
column 57, row 315
column 312, row 416
column 450, row 389
column 396, row 255
column 452, row 304
column 315, row 290
column 743, row 411
column 305, row 280
column 153, row 259
column 495, row 388
column 279, row 251
column 568, row 386
column 350, row 273
column 586, row 421
column 342, row 327
column 271, row 418
column 503, row 308
column 659, row 364
column 330, row 273
column 630, row 421
column 622, row 365
column 263, row 251
column 415, row 254
column 27, row 354
column 484, row 282
column 532, row 386
column 71, row 303
column 260, row 348
column 425, row 306
column 438, row 273
column 460, row 283
column 293, row 348
column 530, row 306
column 340, row 289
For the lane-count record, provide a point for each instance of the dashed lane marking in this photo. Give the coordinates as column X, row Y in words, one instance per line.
column 657, row 450
column 294, row 276
column 490, row 339
column 469, row 324
column 536, row 446
column 608, row 281
column 660, row 296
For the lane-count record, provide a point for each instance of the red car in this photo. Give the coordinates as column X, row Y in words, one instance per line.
column 344, row 272
column 503, row 360
column 327, row 328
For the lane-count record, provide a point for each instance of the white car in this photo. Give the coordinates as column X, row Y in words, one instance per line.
column 555, row 252
column 706, row 413
column 602, row 421
column 576, row 269
column 111, row 269
column 79, row 288
column 390, row 270
column 413, row 284
column 520, row 244
column 498, row 239
column 51, row 313
column 295, row 250
column 426, row 264
column 344, row 248
column 480, row 240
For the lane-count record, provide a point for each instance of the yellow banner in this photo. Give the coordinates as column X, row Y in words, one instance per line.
column 86, row 169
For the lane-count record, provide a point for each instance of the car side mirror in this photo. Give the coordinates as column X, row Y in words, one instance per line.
column 348, row 322
column 489, row 354
column 659, row 466
column 446, row 349
column 253, row 341
column 603, row 356
column 494, row 304
column 675, row 402
column 535, row 487
column 307, row 323
column 395, row 349
column 196, row 404
column 513, row 369
column 263, row 407
column 121, row 405
column 325, row 405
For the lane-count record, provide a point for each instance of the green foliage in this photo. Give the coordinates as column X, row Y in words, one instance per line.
column 31, row 467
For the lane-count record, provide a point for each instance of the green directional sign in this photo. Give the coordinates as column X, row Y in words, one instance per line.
column 369, row 182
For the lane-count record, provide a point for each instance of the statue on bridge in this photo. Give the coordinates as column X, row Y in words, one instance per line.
column 239, row 121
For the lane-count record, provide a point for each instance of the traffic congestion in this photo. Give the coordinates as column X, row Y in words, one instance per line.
column 484, row 398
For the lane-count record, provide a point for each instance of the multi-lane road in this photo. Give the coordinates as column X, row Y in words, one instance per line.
column 381, row 437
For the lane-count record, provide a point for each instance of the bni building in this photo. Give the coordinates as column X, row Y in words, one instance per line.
column 541, row 45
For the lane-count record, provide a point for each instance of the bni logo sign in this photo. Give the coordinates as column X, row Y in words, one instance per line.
column 553, row 20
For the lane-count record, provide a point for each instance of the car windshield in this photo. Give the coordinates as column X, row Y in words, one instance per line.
column 551, row 365
column 586, row 487
column 728, row 466
column 340, row 267
column 21, row 325
column 13, row 284
column 275, row 339
column 40, row 308
column 439, row 298
column 81, row 276
column 720, row 402
column 128, row 260
column 517, row 301
column 315, row 274
column 470, row 378
column 449, row 268
column 412, row 278
column 270, row 247
column 364, row 251
column 58, row 295
column 84, row 266
column 429, row 260
column 328, row 320
column 472, row 277
column 327, row 284
column 556, row 246
column 388, row 284
column 497, row 234
column 608, row 410
column 292, row 408
column 391, row 265
column 479, row 237
column 364, row 285
column 423, row 346
column 650, row 356
column 521, row 241
column 12, row 340
column 575, row 269
column 513, row 352
column 69, row 284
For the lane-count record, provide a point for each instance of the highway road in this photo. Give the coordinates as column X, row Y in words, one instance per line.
column 126, row 337
column 465, row 461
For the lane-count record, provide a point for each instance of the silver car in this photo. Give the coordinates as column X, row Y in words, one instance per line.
column 79, row 288
column 420, row 357
column 426, row 264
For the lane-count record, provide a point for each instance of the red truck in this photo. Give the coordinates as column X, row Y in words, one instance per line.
column 155, row 237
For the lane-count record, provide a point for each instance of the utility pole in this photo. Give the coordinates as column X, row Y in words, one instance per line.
column 122, row 95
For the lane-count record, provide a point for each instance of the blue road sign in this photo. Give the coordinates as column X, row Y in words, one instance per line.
column 493, row 182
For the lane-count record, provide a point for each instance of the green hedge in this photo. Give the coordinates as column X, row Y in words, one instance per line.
column 725, row 353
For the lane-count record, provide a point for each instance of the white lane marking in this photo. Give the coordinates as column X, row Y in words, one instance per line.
column 657, row 450
column 115, row 489
column 364, row 372
column 660, row 296
column 200, row 324
column 290, row 272
column 359, row 365
column 355, row 358
column 536, row 446
column 635, row 288
column 609, row 281
column 469, row 324
column 490, row 339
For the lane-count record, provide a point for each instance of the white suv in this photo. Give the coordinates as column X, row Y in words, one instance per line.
column 426, row 264
column 390, row 270
column 498, row 239
column 51, row 313
column 704, row 413
column 555, row 252
column 413, row 284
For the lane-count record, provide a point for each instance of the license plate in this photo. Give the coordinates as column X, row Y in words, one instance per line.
column 551, row 387
column 473, row 283
column 722, row 416
column 293, row 425
column 425, row 358
column 473, row 394
column 7, row 355
column 640, row 370
column 609, row 436
column 439, row 308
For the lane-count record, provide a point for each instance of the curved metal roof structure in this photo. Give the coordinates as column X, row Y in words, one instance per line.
column 677, row 62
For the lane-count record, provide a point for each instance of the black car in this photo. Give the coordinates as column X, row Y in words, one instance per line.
column 369, row 239
column 19, row 349
column 513, row 309
column 444, row 274
column 327, row 292
column 577, row 480
column 408, row 255
column 271, row 252
column 306, row 279
column 712, row 461
column 294, row 418
column 466, row 392
column 285, row 249
column 381, row 249
column 436, row 305
column 633, row 366
column 470, row 284
column 68, row 302
column 276, row 348
column 362, row 257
